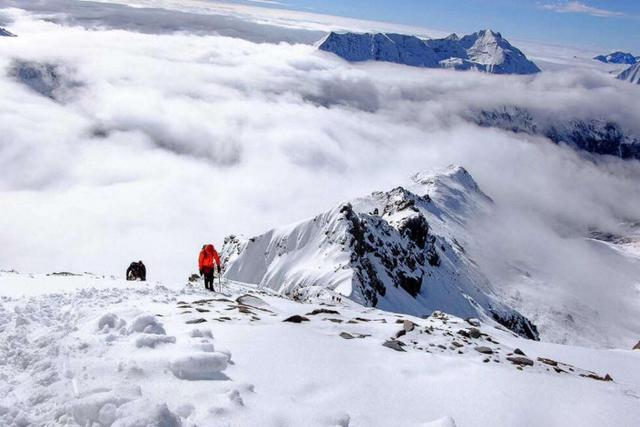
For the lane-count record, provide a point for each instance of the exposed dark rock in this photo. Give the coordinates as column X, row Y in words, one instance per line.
column 195, row 321
column 394, row 345
column 473, row 322
column 416, row 229
column 401, row 333
column 322, row 311
column 549, row 362
column 517, row 323
column 346, row 335
column 296, row 319
column 194, row 278
column 202, row 310
column 244, row 309
column 475, row 333
column 457, row 344
column 520, row 360
column 519, row 352
column 464, row 333
column 597, row 377
column 637, row 346
column 484, row 350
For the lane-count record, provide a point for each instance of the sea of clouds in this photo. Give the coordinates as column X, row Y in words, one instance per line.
column 156, row 135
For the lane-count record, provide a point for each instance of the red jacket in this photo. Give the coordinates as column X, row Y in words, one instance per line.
column 208, row 258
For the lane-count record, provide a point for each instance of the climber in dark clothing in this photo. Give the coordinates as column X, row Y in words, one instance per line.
column 137, row 271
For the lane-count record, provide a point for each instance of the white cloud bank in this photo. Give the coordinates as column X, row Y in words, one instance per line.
column 173, row 140
column 582, row 8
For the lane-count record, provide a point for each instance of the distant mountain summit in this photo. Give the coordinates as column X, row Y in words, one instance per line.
column 400, row 250
column 484, row 50
column 6, row 33
column 631, row 74
column 618, row 58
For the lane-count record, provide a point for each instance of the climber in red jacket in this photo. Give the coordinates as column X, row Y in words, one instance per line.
column 207, row 261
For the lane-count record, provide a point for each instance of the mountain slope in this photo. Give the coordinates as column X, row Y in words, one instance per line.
column 594, row 136
column 618, row 58
column 484, row 51
column 631, row 74
column 400, row 251
column 6, row 33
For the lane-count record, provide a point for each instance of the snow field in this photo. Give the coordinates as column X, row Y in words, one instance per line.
column 157, row 356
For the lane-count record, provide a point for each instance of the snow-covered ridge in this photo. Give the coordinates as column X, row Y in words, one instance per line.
column 618, row 58
column 484, row 50
column 400, row 250
column 631, row 74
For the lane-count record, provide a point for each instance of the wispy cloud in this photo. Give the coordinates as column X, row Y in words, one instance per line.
column 579, row 7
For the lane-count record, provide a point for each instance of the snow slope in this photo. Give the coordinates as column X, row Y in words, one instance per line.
column 631, row 74
column 103, row 354
column 400, row 251
column 484, row 50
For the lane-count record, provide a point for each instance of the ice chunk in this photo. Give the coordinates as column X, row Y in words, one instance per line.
column 148, row 324
column 142, row 413
column 199, row 366
column 152, row 340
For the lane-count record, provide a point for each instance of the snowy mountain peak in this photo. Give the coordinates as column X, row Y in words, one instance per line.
column 618, row 58
column 488, row 34
column 399, row 250
column 396, row 48
column 485, row 50
column 453, row 173
column 631, row 74
column 6, row 33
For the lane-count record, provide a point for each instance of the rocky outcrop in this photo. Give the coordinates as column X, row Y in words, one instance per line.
column 485, row 51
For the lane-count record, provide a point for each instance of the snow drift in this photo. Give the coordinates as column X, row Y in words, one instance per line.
column 400, row 250
column 484, row 50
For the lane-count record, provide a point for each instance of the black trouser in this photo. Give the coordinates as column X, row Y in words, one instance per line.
column 208, row 279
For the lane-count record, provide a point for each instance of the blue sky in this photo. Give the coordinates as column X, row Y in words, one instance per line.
column 607, row 25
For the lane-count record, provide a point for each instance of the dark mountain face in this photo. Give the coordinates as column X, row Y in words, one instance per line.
column 594, row 136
